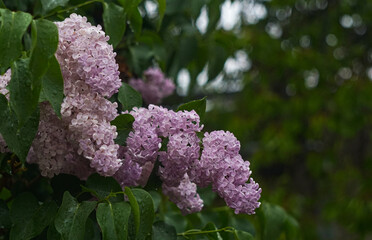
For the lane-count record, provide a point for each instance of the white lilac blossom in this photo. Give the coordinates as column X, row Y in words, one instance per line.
column 154, row 86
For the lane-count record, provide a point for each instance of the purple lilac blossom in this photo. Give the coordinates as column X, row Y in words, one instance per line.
column 182, row 151
column 130, row 172
column 144, row 142
column 222, row 166
column 184, row 196
column 154, row 86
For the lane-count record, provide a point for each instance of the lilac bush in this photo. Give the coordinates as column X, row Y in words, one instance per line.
column 82, row 141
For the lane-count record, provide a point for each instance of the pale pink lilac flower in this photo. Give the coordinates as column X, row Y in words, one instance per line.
column 52, row 150
column 87, row 115
column 84, row 54
column 90, row 74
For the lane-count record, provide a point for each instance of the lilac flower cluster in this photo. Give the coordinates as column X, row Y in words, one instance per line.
column 82, row 141
column 182, row 168
column 222, row 166
column 154, row 86
column 150, row 127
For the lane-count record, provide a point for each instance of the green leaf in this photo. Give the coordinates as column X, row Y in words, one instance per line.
column 214, row 235
column 129, row 97
column 275, row 222
column 242, row 235
column 156, row 197
column 214, row 13
column 292, row 228
column 133, row 15
column 44, row 36
column 2, row 5
column 49, row 5
column 52, row 85
column 113, row 220
column 18, row 140
column 217, row 59
column 5, row 221
column 123, row 125
column 141, row 57
column 128, row 5
column 52, row 233
column 198, row 105
column 163, row 231
column 135, row 22
column 162, row 6
column 24, row 92
column 103, row 186
column 135, row 209
column 13, row 26
column 29, row 218
column 147, row 213
column 72, row 216
column 114, row 21
column 92, row 230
